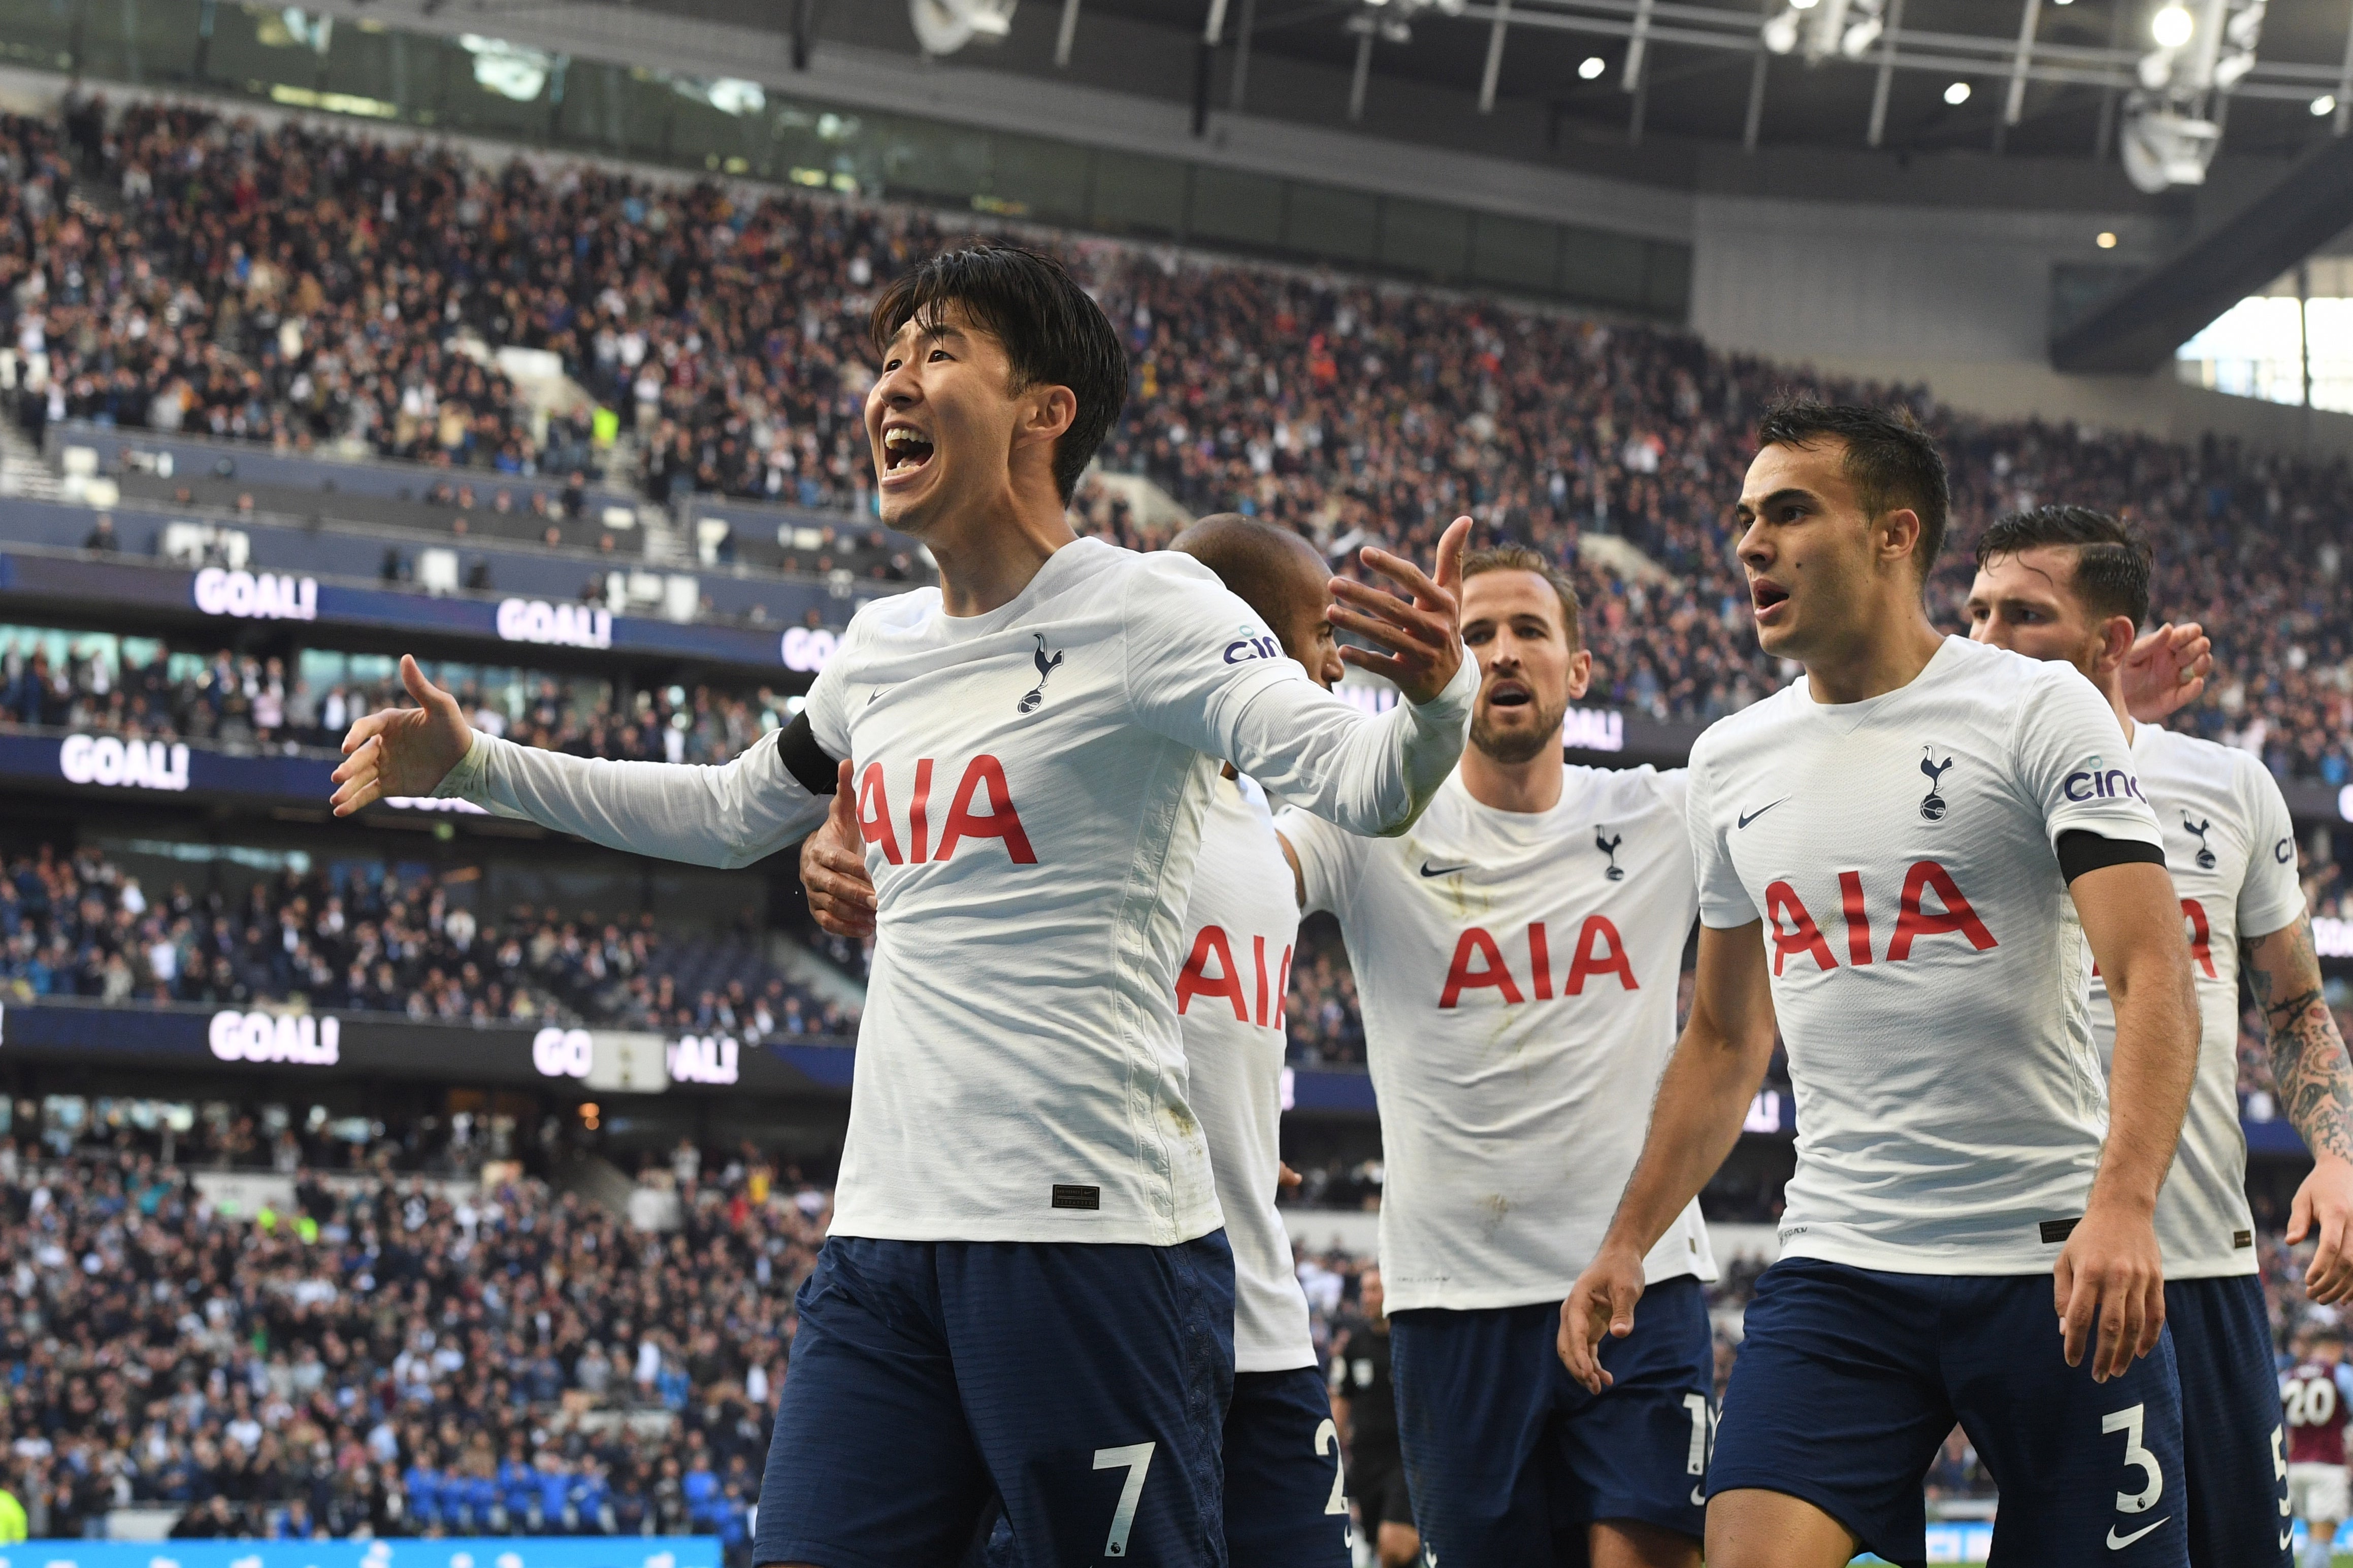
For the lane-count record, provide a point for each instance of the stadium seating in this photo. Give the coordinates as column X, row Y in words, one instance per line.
column 731, row 332
column 363, row 939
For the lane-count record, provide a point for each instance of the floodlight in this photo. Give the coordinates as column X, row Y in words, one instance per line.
column 1958, row 94
column 2172, row 26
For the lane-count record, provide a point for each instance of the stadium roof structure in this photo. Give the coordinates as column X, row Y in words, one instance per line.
column 2046, row 77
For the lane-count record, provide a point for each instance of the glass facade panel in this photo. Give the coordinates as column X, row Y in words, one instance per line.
column 1424, row 238
column 1138, row 194
column 1515, row 251
column 1323, row 220
column 1239, row 208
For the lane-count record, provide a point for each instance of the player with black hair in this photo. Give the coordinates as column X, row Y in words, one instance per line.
column 1026, row 1290
column 2070, row 584
column 1901, row 856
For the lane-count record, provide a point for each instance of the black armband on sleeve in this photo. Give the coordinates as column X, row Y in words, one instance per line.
column 2081, row 850
column 806, row 760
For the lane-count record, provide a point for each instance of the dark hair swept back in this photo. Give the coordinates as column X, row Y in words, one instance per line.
column 2112, row 564
column 1053, row 332
column 1894, row 463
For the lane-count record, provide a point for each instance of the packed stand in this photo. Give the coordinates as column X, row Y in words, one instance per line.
column 72, row 924
column 391, row 1357
column 296, row 284
column 246, row 701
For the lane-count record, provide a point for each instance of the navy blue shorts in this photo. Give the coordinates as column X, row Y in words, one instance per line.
column 1085, row 1384
column 1286, row 1506
column 2234, row 1439
column 1850, row 1379
column 1503, row 1448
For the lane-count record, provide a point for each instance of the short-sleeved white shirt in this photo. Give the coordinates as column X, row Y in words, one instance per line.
column 1929, row 972
column 1517, row 971
column 1240, row 925
column 2231, row 846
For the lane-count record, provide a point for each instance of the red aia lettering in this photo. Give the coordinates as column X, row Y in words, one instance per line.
column 874, row 815
column 1795, row 934
column 1492, row 971
column 1211, row 945
column 1912, row 920
column 1600, row 950
column 1802, row 935
column 983, row 775
column 1197, row 980
column 1479, row 962
column 2201, row 937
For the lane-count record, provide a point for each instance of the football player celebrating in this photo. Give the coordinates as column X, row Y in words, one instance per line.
column 1285, row 1501
column 1901, row 856
column 1026, row 1290
column 1517, row 956
column 2069, row 584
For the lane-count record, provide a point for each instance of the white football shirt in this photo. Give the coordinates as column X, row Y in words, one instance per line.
column 1517, row 971
column 1031, row 784
column 2232, row 849
column 1929, row 973
column 1240, row 925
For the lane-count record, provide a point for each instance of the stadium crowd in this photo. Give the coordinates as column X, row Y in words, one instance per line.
column 247, row 700
column 363, row 939
column 298, row 285
column 392, row 1355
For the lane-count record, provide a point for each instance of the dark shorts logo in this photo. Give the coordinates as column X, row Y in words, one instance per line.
column 1932, row 805
column 1046, row 666
column 1609, row 846
column 2198, row 830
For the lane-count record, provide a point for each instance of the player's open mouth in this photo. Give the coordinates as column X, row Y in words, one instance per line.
column 1767, row 598
column 905, row 449
column 1508, row 694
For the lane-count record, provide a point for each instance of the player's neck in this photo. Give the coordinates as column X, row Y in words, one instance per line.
column 2111, row 687
column 988, row 555
column 1882, row 654
column 1532, row 786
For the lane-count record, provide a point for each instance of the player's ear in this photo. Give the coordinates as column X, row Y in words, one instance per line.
column 1581, row 673
column 2118, row 635
column 1899, row 533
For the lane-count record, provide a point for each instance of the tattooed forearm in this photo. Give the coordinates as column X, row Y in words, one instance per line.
column 2309, row 1063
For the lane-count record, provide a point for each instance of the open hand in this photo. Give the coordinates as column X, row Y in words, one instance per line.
column 402, row 751
column 833, row 868
column 1424, row 633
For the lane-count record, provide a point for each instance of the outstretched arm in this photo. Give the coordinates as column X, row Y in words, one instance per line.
column 1319, row 753
column 2315, row 1087
column 1709, row 1083
column 727, row 816
column 2110, row 1268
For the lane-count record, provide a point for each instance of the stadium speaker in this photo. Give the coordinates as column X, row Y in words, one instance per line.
column 944, row 27
column 2163, row 149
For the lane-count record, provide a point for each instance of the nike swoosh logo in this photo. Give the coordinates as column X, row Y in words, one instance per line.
column 1442, row 870
column 2287, row 1539
column 1748, row 816
column 2117, row 1544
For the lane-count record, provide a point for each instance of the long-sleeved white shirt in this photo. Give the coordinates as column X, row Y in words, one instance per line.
column 1031, row 784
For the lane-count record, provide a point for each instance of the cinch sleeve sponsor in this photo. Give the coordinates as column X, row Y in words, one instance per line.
column 1723, row 901
column 2072, row 757
column 1317, row 751
column 2271, row 898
